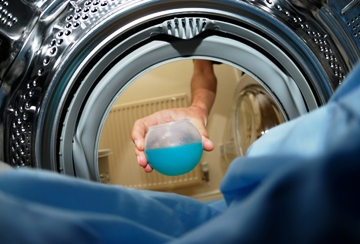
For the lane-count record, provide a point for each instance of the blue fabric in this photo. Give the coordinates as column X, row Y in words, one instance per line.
column 44, row 207
column 299, row 183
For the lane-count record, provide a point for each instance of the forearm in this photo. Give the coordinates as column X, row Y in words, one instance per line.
column 203, row 86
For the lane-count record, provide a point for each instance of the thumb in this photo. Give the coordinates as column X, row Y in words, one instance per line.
column 207, row 144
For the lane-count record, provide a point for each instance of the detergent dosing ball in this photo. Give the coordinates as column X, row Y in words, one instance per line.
column 174, row 148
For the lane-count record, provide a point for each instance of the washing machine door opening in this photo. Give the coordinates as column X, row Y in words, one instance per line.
column 75, row 63
column 86, row 115
column 69, row 61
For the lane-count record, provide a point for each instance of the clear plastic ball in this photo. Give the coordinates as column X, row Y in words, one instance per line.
column 173, row 148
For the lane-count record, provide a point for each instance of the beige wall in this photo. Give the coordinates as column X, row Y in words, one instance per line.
column 174, row 78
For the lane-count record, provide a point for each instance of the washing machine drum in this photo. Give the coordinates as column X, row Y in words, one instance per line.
column 63, row 63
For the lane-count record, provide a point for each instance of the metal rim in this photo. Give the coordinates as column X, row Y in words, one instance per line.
column 65, row 39
column 126, row 31
column 294, row 98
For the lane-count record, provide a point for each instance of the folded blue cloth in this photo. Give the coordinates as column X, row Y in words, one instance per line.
column 299, row 183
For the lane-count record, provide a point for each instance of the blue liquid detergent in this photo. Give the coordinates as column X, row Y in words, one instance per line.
column 174, row 161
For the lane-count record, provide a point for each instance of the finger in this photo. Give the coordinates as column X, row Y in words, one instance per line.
column 148, row 168
column 141, row 158
column 138, row 134
column 207, row 144
column 142, row 161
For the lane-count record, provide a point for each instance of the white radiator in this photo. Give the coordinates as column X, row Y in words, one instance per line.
column 116, row 136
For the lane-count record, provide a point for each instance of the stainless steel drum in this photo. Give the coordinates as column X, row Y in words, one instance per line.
column 63, row 63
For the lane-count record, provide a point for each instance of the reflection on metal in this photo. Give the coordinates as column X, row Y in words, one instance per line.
column 253, row 114
column 350, row 7
column 186, row 28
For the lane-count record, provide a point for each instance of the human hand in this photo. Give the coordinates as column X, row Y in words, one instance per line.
column 195, row 114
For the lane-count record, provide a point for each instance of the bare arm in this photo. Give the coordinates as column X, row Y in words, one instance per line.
column 203, row 87
column 203, row 92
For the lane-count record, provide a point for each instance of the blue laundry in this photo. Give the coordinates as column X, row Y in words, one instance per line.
column 299, row 183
